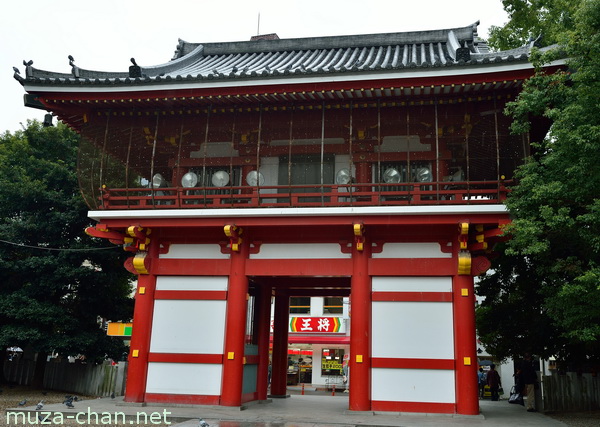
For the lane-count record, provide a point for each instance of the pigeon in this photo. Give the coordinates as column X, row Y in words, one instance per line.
column 16, row 70
column 69, row 404
column 112, row 395
column 39, row 405
column 203, row 423
column 23, row 402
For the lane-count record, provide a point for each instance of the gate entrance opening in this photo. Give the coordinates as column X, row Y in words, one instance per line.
column 309, row 340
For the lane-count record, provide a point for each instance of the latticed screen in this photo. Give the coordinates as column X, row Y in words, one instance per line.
column 303, row 155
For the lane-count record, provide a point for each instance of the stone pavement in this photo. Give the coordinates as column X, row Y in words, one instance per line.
column 300, row 411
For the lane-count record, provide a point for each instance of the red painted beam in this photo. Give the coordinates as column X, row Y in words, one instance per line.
column 298, row 267
column 412, row 267
column 392, row 363
column 413, row 296
column 191, row 295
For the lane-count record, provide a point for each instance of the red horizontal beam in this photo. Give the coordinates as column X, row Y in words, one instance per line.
column 394, row 363
column 298, row 267
column 412, row 296
column 188, row 399
column 193, row 267
column 412, row 267
column 191, row 295
column 274, row 221
column 185, row 358
column 422, row 407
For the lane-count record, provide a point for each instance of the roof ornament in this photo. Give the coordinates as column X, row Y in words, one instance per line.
column 28, row 68
column 463, row 53
column 74, row 68
column 17, row 74
column 135, row 70
column 537, row 42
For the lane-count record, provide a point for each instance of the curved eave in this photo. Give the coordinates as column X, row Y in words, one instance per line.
column 458, row 72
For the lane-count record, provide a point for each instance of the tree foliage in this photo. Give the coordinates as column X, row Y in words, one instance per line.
column 550, row 269
column 531, row 19
column 53, row 287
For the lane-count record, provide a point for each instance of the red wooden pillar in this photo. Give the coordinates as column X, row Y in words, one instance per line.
column 467, row 398
column 360, row 330
column 363, row 174
column 137, row 370
column 235, row 329
column 280, row 344
column 264, row 330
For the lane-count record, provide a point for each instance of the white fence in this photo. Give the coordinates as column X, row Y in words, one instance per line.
column 79, row 378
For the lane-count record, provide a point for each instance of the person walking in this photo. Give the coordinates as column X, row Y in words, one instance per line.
column 493, row 381
column 482, row 379
column 529, row 378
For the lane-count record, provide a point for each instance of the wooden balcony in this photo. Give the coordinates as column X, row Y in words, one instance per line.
column 409, row 194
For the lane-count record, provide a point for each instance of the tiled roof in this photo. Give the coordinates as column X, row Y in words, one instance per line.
column 270, row 58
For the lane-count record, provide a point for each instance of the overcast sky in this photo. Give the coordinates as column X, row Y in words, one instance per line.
column 104, row 35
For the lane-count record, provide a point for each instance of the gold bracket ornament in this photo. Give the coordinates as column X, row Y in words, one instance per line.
column 139, row 263
column 464, row 256
column 463, row 236
column 359, row 236
column 233, row 232
column 138, row 239
column 464, row 263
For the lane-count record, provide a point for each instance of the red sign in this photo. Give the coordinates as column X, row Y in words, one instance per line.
column 315, row 324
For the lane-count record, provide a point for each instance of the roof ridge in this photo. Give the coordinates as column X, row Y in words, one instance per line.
column 468, row 32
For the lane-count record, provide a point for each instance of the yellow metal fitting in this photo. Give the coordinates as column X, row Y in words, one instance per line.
column 358, row 228
column 139, row 263
column 464, row 263
column 230, row 230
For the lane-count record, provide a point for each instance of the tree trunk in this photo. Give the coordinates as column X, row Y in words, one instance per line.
column 3, row 378
column 40, row 368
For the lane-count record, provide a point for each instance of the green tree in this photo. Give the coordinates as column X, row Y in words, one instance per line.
column 55, row 286
column 530, row 19
column 550, row 267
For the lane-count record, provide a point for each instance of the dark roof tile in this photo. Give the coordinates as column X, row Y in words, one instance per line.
column 265, row 59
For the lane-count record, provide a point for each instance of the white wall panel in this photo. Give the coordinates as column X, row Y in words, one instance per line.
column 300, row 250
column 184, row 378
column 181, row 326
column 185, row 251
column 413, row 385
column 412, row 250
column 419, row 330
column 191, row 283
column 412, row 284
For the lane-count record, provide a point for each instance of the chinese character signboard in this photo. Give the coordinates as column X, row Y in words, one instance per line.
column 315, row 324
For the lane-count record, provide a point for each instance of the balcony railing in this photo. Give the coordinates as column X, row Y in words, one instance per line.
column 422, row 193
